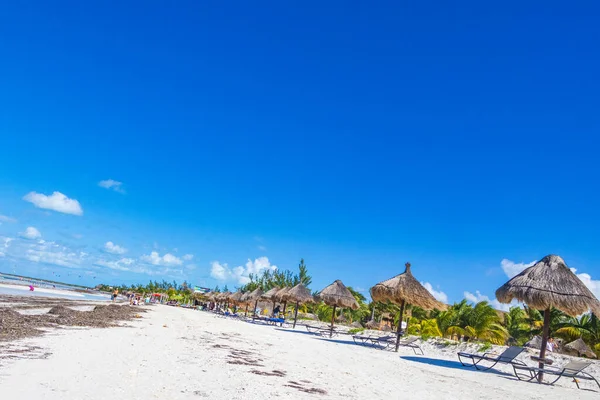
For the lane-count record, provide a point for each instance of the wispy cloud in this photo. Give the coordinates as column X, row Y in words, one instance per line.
column 30, row 233
column 155, row 258
column 4, row 218
column 240, row 274
column 112, row 248
column 55, row 254
column 111, row 184
column 262, row 248
column 512, row 269
column 56, row 202
column 188, row 257
column 438, row 294
column 478, row 297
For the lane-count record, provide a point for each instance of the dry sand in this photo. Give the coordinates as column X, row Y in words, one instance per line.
column 174, row 353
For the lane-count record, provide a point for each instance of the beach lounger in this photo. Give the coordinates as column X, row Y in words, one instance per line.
column 361, row 339
column 389, row 342
column 318, row 330
column 573, row 369
column 382, row 341
column 508, row 356
column 411, row 343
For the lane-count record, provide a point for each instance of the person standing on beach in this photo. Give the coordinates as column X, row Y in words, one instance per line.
column 115, row 294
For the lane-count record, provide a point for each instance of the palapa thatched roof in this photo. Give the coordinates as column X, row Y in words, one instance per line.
column 282, row 294
column 236, row 297
column 244, row 298
column 550, row 283
column 338, row 295
column 581, row 348
column 224, row 296
column 405, row 287
column 300, row 294
column 270, row 294
column 254, row 295
column 211, row 296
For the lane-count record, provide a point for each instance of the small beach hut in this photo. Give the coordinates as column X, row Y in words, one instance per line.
column 404, row 289
column 549, row 283
column 337, row 295
column 580, row 348
column 301, row 295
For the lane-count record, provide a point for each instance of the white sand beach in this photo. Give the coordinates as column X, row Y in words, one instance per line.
column 174, row 353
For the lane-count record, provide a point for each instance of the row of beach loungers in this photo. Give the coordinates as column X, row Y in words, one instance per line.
column 388, row 342
column 482, row 362
column 573, row 369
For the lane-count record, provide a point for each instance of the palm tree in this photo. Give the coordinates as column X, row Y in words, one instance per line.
column 587, row 327
column 480, row 322
column 517, row 326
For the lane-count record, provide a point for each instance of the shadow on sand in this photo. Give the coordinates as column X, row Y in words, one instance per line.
column 452, row 364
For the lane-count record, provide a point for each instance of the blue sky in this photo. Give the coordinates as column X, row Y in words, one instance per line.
column 356, row 136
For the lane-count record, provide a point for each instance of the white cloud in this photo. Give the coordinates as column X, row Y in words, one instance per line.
column 587, row 280
column 7, row 241
column 31, row 233
column 55, row 254
column 2, row 254
column 478, row 297
column 262, row 248
column 112, row 248
column 56, row 201
column 512, row 269
column 124, row 264
column 240, row 274
column 111, row 184
column 155, row 259
column 4, row 218
column 439, row 295
column 188, row 257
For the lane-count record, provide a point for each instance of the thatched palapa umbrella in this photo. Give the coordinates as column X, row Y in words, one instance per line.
column 211, row 296
column 300, row 294
column 270, row 295
column 244, row 300
column 236, row 297
column 337, row 295
column 254, row 296
column 549, row 283
column 282, row 297
column 404, row 289
column 224, row 297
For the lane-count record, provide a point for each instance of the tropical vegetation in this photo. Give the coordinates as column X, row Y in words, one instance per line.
column 464, row 321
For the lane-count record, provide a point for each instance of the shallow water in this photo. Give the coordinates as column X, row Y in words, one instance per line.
column 63, row 294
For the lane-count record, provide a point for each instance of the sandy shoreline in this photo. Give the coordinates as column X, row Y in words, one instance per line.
column 198, row 355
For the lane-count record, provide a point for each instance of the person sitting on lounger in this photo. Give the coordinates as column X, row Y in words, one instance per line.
column 276, row 311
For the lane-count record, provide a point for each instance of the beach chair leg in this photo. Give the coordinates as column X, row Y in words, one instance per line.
column 485, row 368
column 472, row 364
column 523, row 377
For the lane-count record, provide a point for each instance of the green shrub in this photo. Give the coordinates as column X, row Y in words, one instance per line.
column 485, row 347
